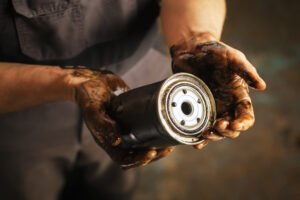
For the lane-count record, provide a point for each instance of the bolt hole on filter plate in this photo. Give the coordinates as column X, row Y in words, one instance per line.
column 170, row 112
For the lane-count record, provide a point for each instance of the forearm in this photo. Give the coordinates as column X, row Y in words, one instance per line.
column 23, row 86
column 182, row 18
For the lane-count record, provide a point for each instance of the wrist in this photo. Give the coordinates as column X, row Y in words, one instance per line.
column 203, row 37
column 34, row 85
column 181, row 19
column 198, row 37
column 189, row 42
column 72, row 80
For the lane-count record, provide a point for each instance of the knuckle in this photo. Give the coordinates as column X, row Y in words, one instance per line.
column 240, row 54
column 221, row 124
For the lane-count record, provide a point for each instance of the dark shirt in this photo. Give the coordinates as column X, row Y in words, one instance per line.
column 73, row 32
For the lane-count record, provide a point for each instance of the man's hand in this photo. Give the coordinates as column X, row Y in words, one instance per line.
column 228, row 74
column 93, row 95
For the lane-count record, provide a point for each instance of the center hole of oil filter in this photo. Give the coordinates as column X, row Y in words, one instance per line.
column 186, row 108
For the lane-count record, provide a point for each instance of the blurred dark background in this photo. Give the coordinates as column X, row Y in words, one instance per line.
column 264, row 162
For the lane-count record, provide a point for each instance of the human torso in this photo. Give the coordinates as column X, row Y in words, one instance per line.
column 56, row 31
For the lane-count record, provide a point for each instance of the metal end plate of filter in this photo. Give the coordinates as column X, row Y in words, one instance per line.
column 186, row 107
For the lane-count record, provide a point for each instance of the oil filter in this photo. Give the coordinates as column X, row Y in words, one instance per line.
column 171, row 112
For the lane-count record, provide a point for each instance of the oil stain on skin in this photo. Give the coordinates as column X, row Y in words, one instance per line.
column 264, row 162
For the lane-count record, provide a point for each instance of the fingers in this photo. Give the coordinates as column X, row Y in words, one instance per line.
column 212, row 135
column 184, row 63
column 244, row 116
column 242, row 121
column 161, row 153
column 144, row 157
column 201, row 145
column 104, row 130
column 136, row 158
column 228, row 133
column 218, row 55
column 91, row 97
column 221, row 127
column 241, row 66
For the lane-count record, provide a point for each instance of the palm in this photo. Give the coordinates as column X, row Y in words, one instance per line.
column 93, row 96
column 227, row 73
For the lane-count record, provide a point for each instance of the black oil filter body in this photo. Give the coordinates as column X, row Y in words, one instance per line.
column 171, row 112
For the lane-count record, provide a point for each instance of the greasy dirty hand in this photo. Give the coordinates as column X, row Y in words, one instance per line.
column 93, row 96
column 228, row 74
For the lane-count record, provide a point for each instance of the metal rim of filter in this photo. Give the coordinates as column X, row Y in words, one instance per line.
column 185, row 107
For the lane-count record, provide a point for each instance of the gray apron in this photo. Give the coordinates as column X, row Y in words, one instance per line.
column 74, row 32
column 46, row 152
